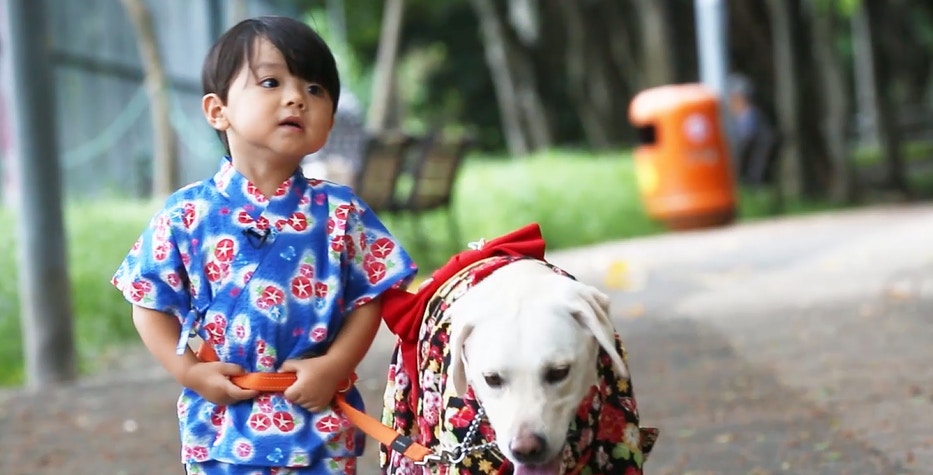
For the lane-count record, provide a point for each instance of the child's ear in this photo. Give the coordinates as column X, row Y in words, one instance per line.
column 215, row 111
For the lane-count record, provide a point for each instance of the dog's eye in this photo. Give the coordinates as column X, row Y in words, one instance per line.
column 493, row 380
column 556, row 375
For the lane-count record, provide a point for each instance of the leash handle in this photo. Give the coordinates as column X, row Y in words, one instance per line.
column 279, row 382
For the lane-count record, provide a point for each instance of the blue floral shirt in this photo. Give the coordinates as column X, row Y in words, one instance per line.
column 262, row 280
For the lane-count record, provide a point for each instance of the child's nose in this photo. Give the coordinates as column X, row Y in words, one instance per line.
column 297, row 102
column 295, row 98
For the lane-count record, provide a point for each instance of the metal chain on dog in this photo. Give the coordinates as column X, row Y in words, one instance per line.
column 456, row 454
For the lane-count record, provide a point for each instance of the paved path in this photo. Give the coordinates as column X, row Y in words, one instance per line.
column 790, row 346
column 794, row 346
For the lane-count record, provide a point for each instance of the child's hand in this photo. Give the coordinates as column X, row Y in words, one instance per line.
column 317, row 381
column 212, row 382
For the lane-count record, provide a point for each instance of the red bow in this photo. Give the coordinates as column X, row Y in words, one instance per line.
column 403, row 311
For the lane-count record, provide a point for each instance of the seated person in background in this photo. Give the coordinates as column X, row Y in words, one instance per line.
column 756, row 140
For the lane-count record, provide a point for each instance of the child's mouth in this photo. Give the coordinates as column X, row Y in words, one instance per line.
column 291, row 123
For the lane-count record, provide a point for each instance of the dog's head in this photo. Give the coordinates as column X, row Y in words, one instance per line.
column 527, row 340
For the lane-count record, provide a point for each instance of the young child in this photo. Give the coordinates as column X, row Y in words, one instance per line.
column 266, row 266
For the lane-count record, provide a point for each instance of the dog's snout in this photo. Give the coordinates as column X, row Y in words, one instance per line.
column 528, row 447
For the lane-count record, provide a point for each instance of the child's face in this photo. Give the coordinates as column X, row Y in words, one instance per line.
column 270, row 114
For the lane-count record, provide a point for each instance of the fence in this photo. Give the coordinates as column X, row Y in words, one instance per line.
column 104, row 129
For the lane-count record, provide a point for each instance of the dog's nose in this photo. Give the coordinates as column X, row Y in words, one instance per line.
column 528, row 447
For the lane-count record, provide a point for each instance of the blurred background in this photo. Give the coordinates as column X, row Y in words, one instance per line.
column 776, row 343
column 458, row 120
column 521, row 77
column 834, row 97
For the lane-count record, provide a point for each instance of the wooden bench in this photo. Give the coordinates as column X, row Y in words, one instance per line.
column 409, row 177
column 376, row 181
column 437, row 164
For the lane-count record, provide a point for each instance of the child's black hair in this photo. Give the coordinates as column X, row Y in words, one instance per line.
column 306, row 55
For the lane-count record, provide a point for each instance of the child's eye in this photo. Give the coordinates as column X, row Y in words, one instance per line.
column 315, row 90
column 269, row 82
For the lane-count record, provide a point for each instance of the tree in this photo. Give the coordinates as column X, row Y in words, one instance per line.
column 873, row 13
column 825, row 21
column 591, row 67
column 524, row 121
column 384, row 93
column 560, row 72
column 164, row 141
column 657, row 49
column 44, row 289
column 565, row 72
column 787, row 86
column 559, row 67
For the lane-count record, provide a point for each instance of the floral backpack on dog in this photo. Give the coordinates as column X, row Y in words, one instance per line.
column 604, row 438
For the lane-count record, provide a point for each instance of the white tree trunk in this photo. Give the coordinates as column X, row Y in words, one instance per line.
column 495, row 48
column 864, row 78
column 524, row 17
column 657, row 59
column 384, row 90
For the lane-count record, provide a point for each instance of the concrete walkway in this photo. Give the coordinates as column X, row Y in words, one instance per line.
column 796, row 346
column 790, row 346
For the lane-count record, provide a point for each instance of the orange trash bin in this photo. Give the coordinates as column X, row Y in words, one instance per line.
column 682, row 162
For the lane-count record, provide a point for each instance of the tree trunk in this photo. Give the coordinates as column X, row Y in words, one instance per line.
column 165, row 157
column 621, row 55
column 657, row 60
column 864, row 76
column 384, row 91
column 834, row 90
column 42, row 260
column 505, row 83
column 534, row 114
column 787, row 98
column 886, row 125
column 752, row 46
column 579, row 74
column 814, row 158
column 525, row 17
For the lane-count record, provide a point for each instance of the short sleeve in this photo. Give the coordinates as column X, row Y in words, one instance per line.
column 375, row 261
column 153, row 273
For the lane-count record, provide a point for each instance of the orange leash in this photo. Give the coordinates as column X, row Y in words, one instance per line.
column 279, row 382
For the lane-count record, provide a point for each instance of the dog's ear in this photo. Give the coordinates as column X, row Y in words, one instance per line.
column 460, row 328
column 591, row 308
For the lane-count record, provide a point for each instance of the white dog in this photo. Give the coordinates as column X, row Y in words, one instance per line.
column 537, row 351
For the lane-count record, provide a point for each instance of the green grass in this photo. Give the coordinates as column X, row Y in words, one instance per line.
column 578, row 198
column 99, row 236
column 913, row 151
column 11, row 370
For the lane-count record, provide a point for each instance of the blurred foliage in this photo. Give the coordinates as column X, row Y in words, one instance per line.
column 443, row 77
column 844, row 7
column 445, row 80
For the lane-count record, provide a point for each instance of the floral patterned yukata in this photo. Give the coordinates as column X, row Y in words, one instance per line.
column 263, row 280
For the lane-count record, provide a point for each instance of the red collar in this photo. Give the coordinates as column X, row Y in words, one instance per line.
column 403, row 311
